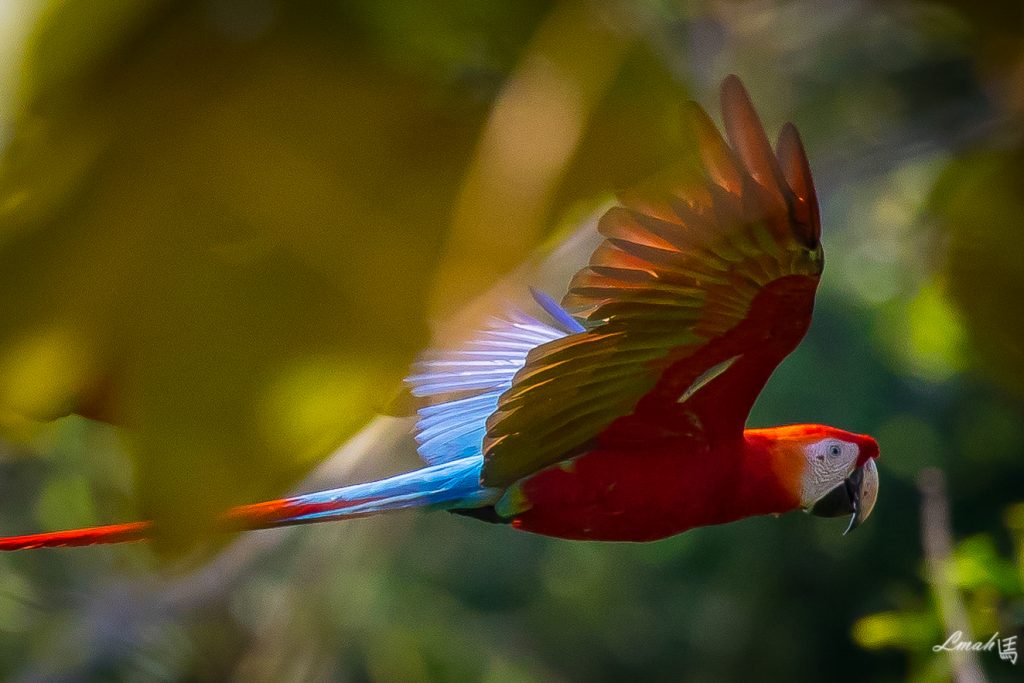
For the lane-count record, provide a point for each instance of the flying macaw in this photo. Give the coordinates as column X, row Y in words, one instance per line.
column 619, row 415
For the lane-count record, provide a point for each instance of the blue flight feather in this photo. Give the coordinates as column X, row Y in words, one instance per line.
column 462, row 386
column 561, row 316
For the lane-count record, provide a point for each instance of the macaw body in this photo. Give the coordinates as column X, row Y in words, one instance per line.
column 658, row 493
column 619, row 414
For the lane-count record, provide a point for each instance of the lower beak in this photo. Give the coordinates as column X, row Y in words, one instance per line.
column 856, row 497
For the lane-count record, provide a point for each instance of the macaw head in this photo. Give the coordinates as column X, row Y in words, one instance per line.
column 829, row 472
column 839, row 476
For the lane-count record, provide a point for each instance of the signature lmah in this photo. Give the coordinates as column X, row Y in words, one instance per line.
column 1006, row 647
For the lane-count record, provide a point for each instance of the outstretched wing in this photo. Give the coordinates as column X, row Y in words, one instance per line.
column 699, row 290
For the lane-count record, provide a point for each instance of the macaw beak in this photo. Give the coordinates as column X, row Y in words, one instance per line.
column 856, row 496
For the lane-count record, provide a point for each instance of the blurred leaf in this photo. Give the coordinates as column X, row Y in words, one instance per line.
column 924, row 335
column 223, row 244
column 979, row 202
column 66, row 502
column 977, row 564
column 907, row 630
column 223, row 228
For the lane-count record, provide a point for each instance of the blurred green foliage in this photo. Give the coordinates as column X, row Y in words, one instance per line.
column 980, row 202
column 992, row 587
column 227, row 226
column 223, row 224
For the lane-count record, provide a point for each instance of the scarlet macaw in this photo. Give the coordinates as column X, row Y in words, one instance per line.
column 621, row 416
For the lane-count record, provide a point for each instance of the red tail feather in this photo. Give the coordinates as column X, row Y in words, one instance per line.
column 114, row 533
column 273, row 513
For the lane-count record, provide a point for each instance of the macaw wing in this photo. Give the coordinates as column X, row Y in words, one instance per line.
column 457, row 389
column 697, row 293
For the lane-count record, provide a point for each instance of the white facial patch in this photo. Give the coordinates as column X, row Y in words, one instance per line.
column 829, row 462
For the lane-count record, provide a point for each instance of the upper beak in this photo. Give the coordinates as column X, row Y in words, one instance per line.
column 856, row 496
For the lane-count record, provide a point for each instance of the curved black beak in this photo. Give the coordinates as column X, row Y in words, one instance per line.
column 856, row 497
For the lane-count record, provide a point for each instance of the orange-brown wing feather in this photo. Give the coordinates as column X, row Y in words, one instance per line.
column 697, row 293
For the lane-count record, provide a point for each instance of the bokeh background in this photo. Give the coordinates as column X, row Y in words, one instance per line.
column 227, row 226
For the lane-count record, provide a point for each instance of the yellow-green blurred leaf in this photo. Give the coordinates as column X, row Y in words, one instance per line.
column 980, row 202
column 224, row 226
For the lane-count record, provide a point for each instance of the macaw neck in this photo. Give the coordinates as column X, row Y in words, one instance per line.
column 770, row 477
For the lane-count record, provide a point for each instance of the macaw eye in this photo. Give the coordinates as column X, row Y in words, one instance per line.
column 835, row 451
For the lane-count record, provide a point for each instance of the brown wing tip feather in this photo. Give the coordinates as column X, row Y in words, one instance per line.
column 784, row 173
column 715, row 155
column 746, row 135
column 797, row 172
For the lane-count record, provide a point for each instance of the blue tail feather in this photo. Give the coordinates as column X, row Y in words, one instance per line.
column 453, row 484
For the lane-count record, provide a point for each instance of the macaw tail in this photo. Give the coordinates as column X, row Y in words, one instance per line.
column 450, row 485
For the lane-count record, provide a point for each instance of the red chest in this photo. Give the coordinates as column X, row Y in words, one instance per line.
column 632, row 496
